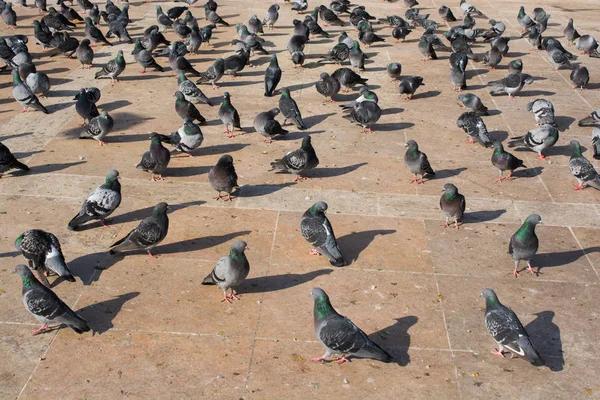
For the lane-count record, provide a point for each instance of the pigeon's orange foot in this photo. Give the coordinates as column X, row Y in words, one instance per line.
column 314, row 252
column 226, row 298
column 532, row 271
column 152, row 255
column 515, row 273
column 342, row 360
column 542, row 157
column 498, row 353
column 39, row 330
column 578, row 187
column 317, row 359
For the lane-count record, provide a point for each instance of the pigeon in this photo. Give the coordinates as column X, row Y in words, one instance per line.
column 538, row 139
column 92, row 93
column 24, row 95
column 492, row 58
column 416, row 162
column 541, row 22
column 467, row 8
column 314, row 28
column 156, row 159
column 501, row 43
column 175, row 12
column 317, row 231
column 426, row 49
column 298, row 58
column 504, row 161
column 187, row 110
column 9, row 16
column 580, row 77
column 113, row 68
column 596, row 142
column 222, row 177
column 267, row 126
column 271, row 16
column 365, row 113
column 194, row 41
column 409, row 85
column 327, row 86
column 558, row 59
column 452, row 204
column 42, row 35
column 296, row 43
column 236, row 63
column 211, row 5
column 213, row 74
column 64, row 44
column 473, row 103
column 181, row 29
column 289, row 109
column 206, row 33
column 329, row 17
column 300, row 5
column 588, row 45
column 368, row 37
column 571, row 33
column 94, row 34
column 337, row 54
column 214, row 18
column 186, row 139
column 43, row 253
column 255, row 25
column 357, row 57
column 394, row 70
column 510, row 84
column 85, row 54
column 57, row 22
column 38, row 82
column 339, row 335
column 543, row 111
column 582, row 169
column 117, row 27
column 8, row 161
column 348, row 78
column 411, row 3
column 592, row 119
column 163, row 21
column 99, row 127
column 515, row 66
column 504, row 327
column 191, row 92
column 229, row 115
column 524, row 244
column 144, row 58
column 149, row 233
column 497, row 29
column 539, row 14
column 272, row 76
column 87, row 5
column 179, row 63
column 230, row 271
column 446, row 14
column 475, row 128
column 400, row 33
column 101, row 203
column 365, row 95
column 458, row 75
column 524, row 20
column 85, row 107
column 46, row 306
column 298, row 161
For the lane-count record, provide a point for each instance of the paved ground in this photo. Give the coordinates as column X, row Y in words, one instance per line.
column 412, row 285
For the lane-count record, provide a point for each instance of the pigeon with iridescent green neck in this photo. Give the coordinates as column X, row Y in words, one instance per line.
column 230, row 271
column 144, row 58
column 504, row 327
column 505, row 161
column 394, row 70
column 289, row 109
column 538, row 139
column 8, row 161
column 229, row 115
column 417, row 162
column 46, row 306
column 101, row 203
column 187, row 110
column 582, row 169
column 191, row 92
column 475, row 128
column 272, row 76
column 452, row 204
column 298, row 161
column 524, row 244
column 24, row 95
column 113, row 68
column 473, row 103
column 149, row 233
column 317, row 231
column 339, row 335
column 186, row 139
column 156, row 159
column 98, row 128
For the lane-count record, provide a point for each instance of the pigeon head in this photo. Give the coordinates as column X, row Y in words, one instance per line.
column 226, row 96
column 285, row 92
column 23, row 271
column 274, row 60
column 181, row 78
column 88, row 21
column 298, row 57
column 449, row 190
column 155, row 138
column 274, row 111
column 113, row 175
column 179, row 96
column 490, row 297
column 318, row 208
column 324, row 75
column 318, row 293
column 16, row 77
column 18, row 242
column 225, row 160
column 575, row 147
column 323, row 307
column 394, row 67
column 306, row 142
column 160, row 209
column 159, row 9
column 120, row 55
column 412, row 145
column 528, row 79
column 534, row 219
column 85, row 43
column 369, row 95
column 497, row 146
column 237, row 248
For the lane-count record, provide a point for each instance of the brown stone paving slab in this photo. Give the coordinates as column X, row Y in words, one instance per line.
column 561, row 214
column 143, row 365
column 374, row 301
column 20, row 352
column 588, row 239
column 373, row 243
column 284, row 370
column 559, row 255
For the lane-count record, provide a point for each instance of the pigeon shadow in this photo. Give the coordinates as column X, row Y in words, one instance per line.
column 115, row 105
column 545, row 335
column 238, row 83
column 59, row 106
column 564, row 122
column 559, row 151
column 88, row 268
column 481, row 216
column 593, row 86
column 185, row 172
column 529, row 172
column 7, row 137
column 56, row 71
column 146, row 212
column 531, row 93
column 296, row 135
column 424, row 95
column 262, row 190
column 331, row 172
column 63, row 93
column 299, row 86
column 126, row 138
column 392, row 126
column 26, row 154
column 139, row 77
column 219, row 149
column 449, row 173
column 392, row 111
column 11, row 254
column 395, row 339
column 354, row 244
column 100, row 315
column 44, row 169
column 273, row 283
column 201, row 243
column 494, row 112
column 562, row 258
column 316, row 119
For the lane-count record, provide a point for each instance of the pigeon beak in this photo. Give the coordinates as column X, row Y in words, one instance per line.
column 405, row 144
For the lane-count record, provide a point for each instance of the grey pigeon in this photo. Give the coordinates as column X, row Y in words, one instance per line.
column 452, row 204
column 300, row 5
column 179, row 63
column 329, row 17
column 558, row 59
column 524, row 20
column 524, row 244
column 113, row 68
column 229, row 115
column 475, row 128
column 571, row 33
column 85, row 107
column 92, row 93
column 149, row 233
column 191, row 92
column 468, row 8
column 394, row 70
column 416, row 162
column 492, row 58
column 64, row 44
column 400, row 33
column 43, row 253
column 582, row 169
column 101, row 203
column 446, row 14
column 8, row 161
column 222, row 177
column 501, row 43
column 267, row 126
column 9, row 16
column 365, row 113
column 543, row 111
column 271, row 16
column 515, row 66
column 214, row 18
column 580, row 77
column 46, row 306
column 194, row 41
column 504, row 161
column 317, row 231
column 85, row 54
column 409, row 85
column 175, row 12
column 592, row 119
column 213, row 74
column 345, row 39
column 504, row 327
column 230, row 271
column 298, row 161
column 94, row 34
column 187, row 138
column 24, row 95
column 163, row 21
column 156, row 159
column 339, row 335
column 348, row 78
column 38, row 83
column 588, row 45
column 596, row 142
column 365, row 95
column 144, row 58
column 187, row 110
column 289, row 109
column 337, row 54
column 298, row 58
column 272, row 76
column 538, row 140
column 458, row 74
column 366, row 35
column 236, row 63
column 99, row 127
column 511, row 84
column 117, row 27
column 473, row 103
column 327, row 86
column 255, row 25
